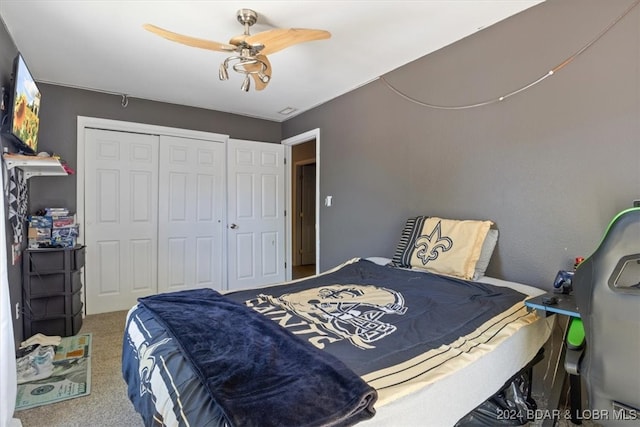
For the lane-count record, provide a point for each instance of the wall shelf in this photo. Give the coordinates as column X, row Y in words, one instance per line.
column 35, row 165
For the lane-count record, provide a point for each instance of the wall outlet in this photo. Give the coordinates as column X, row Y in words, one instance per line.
column 17, row 311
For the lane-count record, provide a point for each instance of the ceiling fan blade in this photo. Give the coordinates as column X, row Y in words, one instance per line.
column 281, row 38
column 260, row 84
column 236, row 40
column 189, row 41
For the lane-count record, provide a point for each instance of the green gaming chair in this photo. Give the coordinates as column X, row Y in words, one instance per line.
column 607, row 291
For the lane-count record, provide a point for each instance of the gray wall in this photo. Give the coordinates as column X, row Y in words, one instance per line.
column 8, row 52
column 58, row 133
column 550, row 166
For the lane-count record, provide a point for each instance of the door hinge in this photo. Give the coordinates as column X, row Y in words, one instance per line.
column 285, row 160
column 285, row 212
column 285, row 265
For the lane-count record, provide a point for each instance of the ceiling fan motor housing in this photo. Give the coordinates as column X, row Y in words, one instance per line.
column 247, row 17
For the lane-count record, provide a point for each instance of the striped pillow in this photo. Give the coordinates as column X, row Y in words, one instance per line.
column 404, row 249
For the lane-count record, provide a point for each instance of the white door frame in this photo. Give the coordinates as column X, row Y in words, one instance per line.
column 117, row 125
column 289, row 143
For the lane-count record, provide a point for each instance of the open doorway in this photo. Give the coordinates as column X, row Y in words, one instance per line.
column 307, row 151
column 303, row 193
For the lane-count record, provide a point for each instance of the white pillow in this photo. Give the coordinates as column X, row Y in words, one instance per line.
column 379, row 260
column 488, row 246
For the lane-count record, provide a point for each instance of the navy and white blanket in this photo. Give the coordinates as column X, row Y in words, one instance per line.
column 257, row 372
column 372, row 316
column 356, row 320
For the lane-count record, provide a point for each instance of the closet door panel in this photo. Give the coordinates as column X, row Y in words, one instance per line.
column 121, row 219
column 191, row 214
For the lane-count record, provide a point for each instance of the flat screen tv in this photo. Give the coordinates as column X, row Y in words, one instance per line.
column 24, row 121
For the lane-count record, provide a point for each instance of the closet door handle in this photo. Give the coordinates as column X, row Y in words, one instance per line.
column 233, row 226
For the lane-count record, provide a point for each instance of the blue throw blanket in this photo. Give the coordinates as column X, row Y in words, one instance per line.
column 259, row 373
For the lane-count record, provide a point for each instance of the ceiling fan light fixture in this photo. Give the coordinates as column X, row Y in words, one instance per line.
column 263, row 77
column 246, row 84
column 248, row 65
column 223, row 74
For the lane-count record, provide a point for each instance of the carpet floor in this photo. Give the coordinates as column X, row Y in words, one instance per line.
column 108, row 404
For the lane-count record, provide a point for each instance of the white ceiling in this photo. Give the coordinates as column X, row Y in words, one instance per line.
column 101, row 45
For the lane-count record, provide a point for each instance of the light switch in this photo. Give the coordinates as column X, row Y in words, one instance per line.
column 328, row 200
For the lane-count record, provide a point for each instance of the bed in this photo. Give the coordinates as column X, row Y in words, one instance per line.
column 375, row 342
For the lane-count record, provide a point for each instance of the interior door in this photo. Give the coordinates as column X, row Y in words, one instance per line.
column 255, row 213
column 191, row 214
column 308, row 214
column 121, row 218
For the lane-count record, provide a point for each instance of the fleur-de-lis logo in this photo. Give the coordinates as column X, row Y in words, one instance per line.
column 147, row 364
column 438, row 244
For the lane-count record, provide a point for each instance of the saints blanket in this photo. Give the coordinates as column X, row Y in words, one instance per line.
column 372, row 316
column 258, row 373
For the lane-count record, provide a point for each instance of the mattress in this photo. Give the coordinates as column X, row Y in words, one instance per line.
column 164, row 384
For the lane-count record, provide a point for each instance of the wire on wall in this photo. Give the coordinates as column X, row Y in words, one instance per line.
column 124, row 101
column 528, row 85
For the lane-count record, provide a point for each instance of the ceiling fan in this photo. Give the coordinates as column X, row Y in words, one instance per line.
column 249, row 52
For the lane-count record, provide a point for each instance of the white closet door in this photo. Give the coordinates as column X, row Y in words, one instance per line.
column 255, row 213
column 191, row 214
column 121, row 219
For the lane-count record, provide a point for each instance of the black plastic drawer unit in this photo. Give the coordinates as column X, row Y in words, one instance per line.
column 52, row 287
